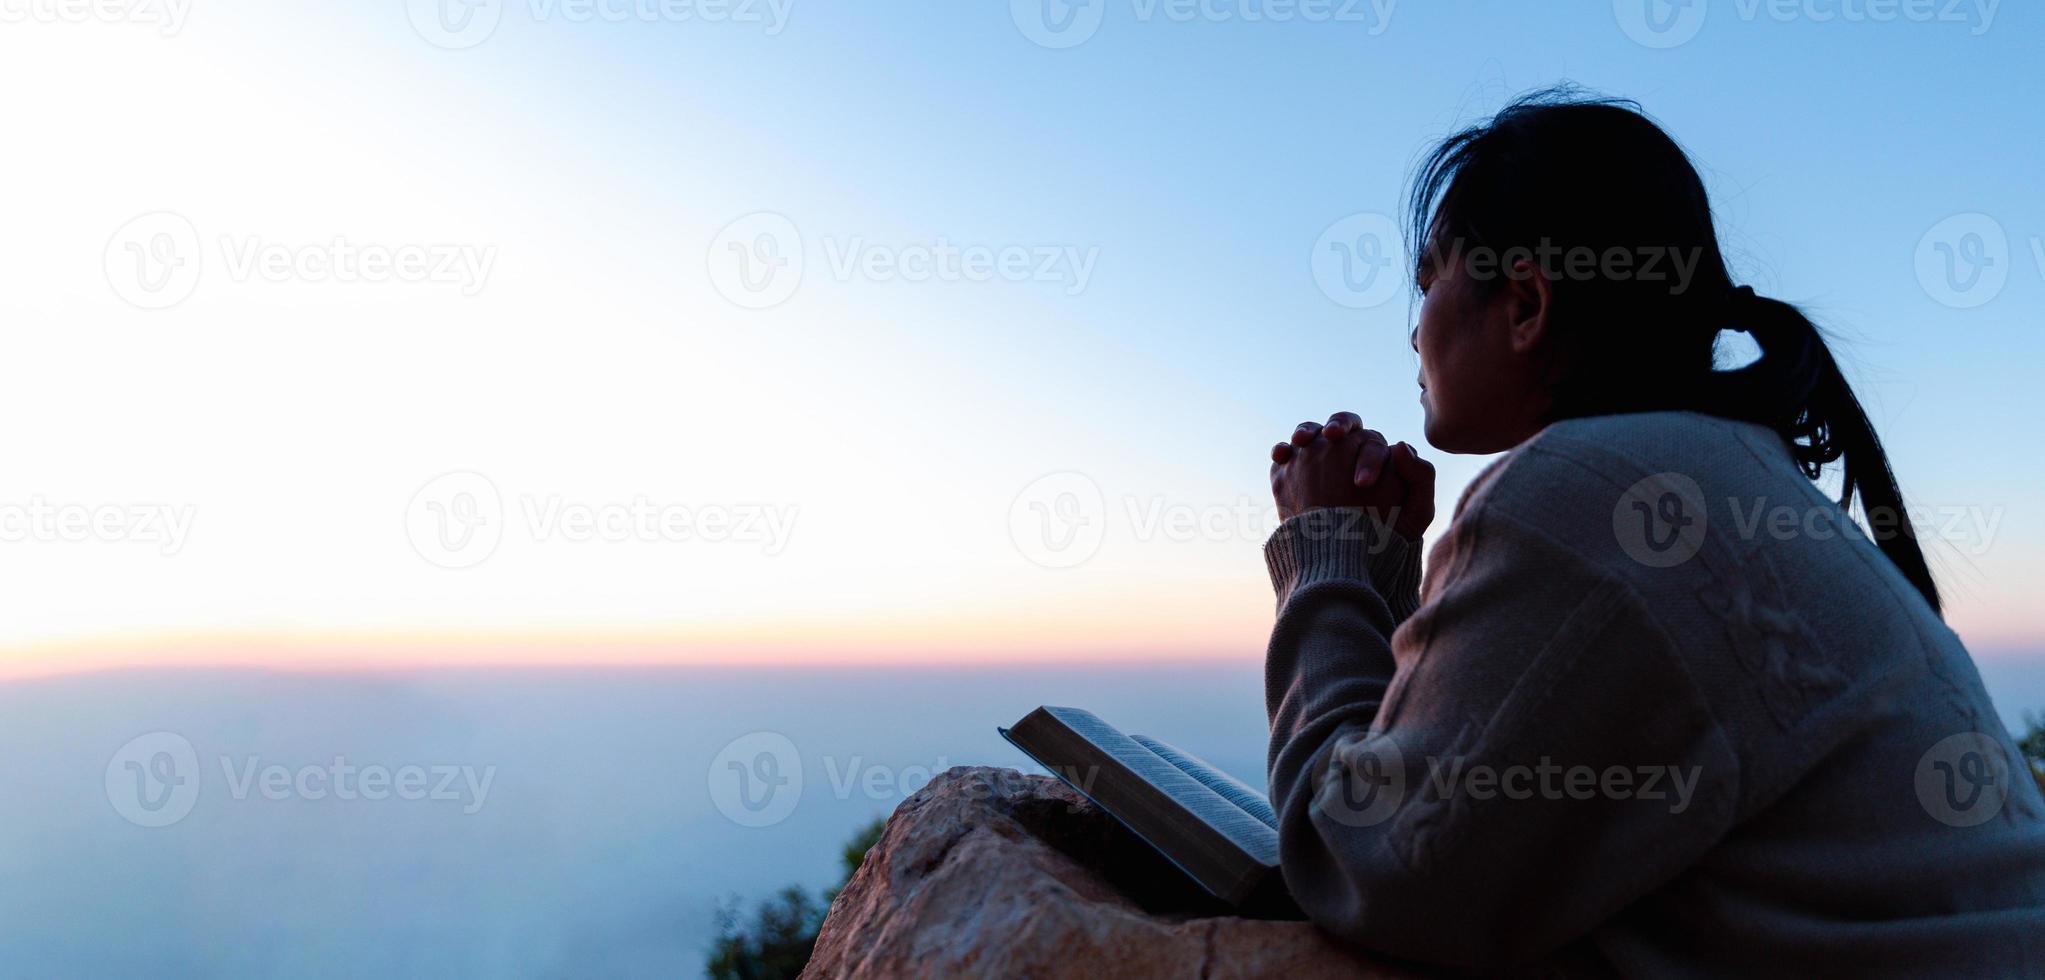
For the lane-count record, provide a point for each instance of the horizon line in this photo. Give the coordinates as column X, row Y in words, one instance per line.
column 391, row 651
column 388, row 651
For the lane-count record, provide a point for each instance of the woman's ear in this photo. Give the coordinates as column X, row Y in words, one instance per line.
column 1530, row 297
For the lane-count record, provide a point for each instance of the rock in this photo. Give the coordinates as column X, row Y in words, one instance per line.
column 989, row 872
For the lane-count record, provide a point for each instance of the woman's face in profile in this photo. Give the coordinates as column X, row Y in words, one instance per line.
column 1478, row 390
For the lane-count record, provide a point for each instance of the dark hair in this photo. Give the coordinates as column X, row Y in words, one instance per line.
column 1558, row 174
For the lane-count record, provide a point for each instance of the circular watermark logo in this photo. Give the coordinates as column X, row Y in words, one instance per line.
column 1059, row 520
column 756, row 261
column 455, row 24
column 455, row 520
column 1659, row 23
column 1963, row 261
column 756, row 780
column 153, row 781
column 1358, row 260
column 1364, row 782
column 153, row 261
column 1057, row 23
column 1964, row 779
column 1660, row 521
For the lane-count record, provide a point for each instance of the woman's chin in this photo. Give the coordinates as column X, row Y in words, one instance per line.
column 1443, row 435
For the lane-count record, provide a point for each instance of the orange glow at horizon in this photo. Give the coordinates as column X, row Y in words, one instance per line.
column 1201, row 628
column 1195, row 628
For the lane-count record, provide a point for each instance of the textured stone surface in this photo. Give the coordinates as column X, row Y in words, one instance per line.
column 989, row 872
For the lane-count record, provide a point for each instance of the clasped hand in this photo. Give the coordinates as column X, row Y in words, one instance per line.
column 1342, row 464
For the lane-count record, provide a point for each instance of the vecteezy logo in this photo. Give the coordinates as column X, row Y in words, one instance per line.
column 1365, row 780
column 756, row 261
column 1964, row 779
column 1057, row 23
column 756, row 780
column 455, row 520
column 1059, row 520
column 153, row 261
column 455, row 24
column 1357, row 262
column 1963, row 261
column 153, row 780
column 1660, row 521
column 1659, row 23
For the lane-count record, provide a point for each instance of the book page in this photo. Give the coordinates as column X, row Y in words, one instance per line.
column 1253, row 834
column 1229, row 787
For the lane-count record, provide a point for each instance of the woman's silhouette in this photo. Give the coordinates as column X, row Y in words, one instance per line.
column 1659, row 706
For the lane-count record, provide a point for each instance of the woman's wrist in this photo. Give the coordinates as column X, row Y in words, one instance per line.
column 1331, row 544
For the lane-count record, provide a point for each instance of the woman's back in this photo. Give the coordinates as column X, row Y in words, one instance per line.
column 1658, row 706
column 1881, row 809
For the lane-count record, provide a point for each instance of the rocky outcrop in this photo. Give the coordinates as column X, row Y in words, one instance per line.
column 989, row 872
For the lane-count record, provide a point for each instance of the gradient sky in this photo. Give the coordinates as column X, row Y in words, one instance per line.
column 900, row 428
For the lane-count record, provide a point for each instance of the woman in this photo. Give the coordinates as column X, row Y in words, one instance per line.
column 1627, row 723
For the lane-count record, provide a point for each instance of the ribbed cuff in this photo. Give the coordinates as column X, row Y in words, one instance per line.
column 1345, row 544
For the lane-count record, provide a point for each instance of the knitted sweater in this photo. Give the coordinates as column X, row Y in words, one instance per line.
column 1659, row 708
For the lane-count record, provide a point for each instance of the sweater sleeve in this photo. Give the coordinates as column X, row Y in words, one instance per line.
column 1481, row 782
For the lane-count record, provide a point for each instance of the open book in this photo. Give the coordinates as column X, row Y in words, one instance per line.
column 1221, row 833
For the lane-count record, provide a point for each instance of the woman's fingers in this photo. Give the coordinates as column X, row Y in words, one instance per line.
column 1370, row 461
column 1341, row 424
column 1418, row 474
column 1308, row 472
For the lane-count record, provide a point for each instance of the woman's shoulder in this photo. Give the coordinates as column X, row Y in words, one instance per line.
column 1614, row 452
column 1662, row 439
column 1608, row 480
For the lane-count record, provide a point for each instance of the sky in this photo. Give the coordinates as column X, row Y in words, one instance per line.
column 567, row 331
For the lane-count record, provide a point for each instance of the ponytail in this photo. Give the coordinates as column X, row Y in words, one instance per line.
column 1797, row 389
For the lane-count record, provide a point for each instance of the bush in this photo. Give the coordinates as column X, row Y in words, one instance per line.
column 2032, row 744
column 777, row 944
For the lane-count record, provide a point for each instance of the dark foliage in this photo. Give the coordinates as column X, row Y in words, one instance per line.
column 2032, row 744
column 776, row 944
